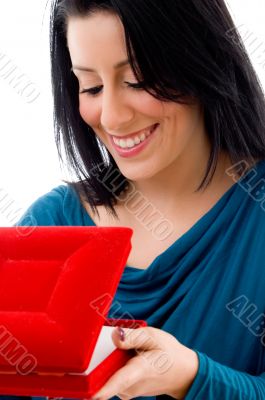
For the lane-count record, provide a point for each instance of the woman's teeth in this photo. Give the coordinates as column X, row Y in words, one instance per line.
column 128, row 143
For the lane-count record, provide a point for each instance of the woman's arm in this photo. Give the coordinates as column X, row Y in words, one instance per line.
column 215, row 381
column 162, row 365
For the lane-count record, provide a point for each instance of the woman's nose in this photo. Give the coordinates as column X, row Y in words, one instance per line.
column 116, row 113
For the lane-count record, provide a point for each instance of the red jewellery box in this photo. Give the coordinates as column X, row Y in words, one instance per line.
column 56, row 288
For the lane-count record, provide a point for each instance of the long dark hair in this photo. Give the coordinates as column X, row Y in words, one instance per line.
column 181, row 50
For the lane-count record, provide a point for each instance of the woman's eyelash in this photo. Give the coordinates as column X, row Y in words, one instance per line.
column 95, row 90
column 92, row 91
column 138, row 85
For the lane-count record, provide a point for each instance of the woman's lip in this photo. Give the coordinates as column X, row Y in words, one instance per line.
column 135, row 150
column 135, row 133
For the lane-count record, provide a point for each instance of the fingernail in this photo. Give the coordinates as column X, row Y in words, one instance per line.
column 121, row 333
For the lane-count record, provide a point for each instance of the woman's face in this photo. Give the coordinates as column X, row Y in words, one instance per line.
column 113, row 108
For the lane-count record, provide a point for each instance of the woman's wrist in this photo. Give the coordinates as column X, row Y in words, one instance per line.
column 189, row 372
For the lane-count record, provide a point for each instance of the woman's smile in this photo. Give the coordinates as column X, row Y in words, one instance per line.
column 135, row 144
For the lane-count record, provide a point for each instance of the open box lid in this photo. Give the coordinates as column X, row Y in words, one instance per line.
column 56, row 287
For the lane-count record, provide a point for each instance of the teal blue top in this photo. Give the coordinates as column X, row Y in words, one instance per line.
column 207, row 288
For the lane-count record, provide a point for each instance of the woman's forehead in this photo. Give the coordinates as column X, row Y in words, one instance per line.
column 97, row 40
column 98, row 28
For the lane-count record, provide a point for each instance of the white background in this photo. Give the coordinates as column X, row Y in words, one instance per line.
column 29, row 164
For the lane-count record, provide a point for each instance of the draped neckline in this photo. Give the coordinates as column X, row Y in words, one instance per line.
column 185, row 241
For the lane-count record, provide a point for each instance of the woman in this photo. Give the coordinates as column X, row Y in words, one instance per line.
column 157, row 103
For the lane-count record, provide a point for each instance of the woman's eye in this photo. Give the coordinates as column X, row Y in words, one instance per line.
column 95, row 90
column 92, row 91
column 138, row 85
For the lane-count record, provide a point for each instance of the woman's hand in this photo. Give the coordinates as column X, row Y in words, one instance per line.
column 161, row 365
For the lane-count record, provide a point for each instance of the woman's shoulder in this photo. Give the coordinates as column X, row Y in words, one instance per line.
column 59, row 206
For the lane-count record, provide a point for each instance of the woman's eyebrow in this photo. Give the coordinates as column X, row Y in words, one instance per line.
column 116, row 66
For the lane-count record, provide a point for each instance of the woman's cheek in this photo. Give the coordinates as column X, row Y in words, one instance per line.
column 89, row 112
column 149, row 105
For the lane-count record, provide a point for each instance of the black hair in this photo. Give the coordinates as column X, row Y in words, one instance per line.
column 182, row 50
